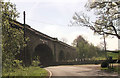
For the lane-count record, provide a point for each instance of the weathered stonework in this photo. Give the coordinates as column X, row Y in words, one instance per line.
column 36, row 39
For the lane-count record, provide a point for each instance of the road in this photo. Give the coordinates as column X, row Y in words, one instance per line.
column 78, row 70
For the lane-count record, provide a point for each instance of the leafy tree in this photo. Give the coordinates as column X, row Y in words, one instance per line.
column 84, row 49
column 12, row 38
column 107, row 17
column 77, row 40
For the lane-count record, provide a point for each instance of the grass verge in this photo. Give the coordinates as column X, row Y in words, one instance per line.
column 114, row 69
column 27, row 72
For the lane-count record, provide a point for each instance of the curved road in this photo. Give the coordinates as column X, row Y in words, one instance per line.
column 78, row 70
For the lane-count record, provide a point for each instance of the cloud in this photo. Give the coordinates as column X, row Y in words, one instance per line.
column 57, row 12
column 71, row 33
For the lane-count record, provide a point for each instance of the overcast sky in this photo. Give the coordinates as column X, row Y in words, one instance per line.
column 52, row 17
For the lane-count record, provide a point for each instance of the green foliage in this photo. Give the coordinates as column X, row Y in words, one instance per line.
column 113, row 55
column 104, row 64
column 109, row 54
column 36, row 61
column 9, row 11
column 114, row 69
column 12, row 38
column 27, row 72
column 18, row 64
column 84, row 49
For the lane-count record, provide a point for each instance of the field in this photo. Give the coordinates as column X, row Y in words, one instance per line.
column 109, row 54
column 113, row 55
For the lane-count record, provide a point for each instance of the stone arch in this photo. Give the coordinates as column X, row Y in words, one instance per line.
column 61, row 56
column 45, row 54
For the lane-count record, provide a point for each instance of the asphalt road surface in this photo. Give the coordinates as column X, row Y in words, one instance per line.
column 76, row 71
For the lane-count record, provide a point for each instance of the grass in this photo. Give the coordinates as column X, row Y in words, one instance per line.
column 113, row 55
column 27, row 72
column 114, row 69
column 100, row 58
column 109, row 54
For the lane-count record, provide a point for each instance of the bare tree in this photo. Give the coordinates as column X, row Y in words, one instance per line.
column 107, row 20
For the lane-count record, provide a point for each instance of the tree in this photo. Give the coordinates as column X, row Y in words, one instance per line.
column 82, row 47
column 12, row 38
column 107, row 20
column 85, row 49
column 77, row 40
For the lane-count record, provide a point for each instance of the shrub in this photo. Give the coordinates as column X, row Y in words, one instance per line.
column 18, row 64
column 35, row 63
column 104, row 64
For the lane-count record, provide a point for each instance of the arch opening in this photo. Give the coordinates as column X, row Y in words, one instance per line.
column 44, row 53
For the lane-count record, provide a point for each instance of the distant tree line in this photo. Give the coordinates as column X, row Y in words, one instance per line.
column 86, row 50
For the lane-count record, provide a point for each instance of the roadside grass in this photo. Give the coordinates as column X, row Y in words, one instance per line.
column 109, row 54
column 114, row 69
column 27, row 72
column 113, row 55
column 100, row 58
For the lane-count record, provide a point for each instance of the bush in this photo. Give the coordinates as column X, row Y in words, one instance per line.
column 15, row 64
column 18, row 64
column 35, row 63
column 104, row 64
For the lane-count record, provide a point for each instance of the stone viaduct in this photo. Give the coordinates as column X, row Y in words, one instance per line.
column 49, row 50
